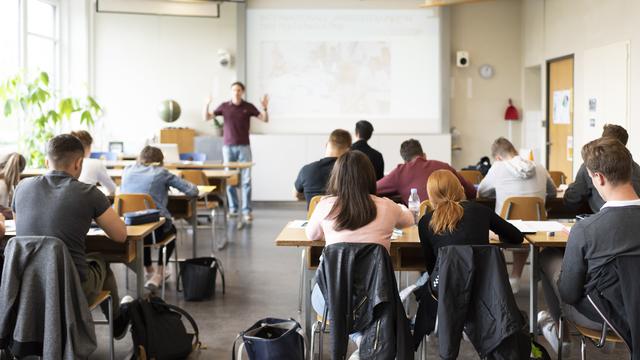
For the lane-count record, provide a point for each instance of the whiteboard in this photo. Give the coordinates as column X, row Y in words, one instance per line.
column 325, row 69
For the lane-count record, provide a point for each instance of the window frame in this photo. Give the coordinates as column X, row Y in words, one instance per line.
column 56, row 39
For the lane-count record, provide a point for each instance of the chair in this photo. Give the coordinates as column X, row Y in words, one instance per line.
column 193, row 156
column 110, row 156
column 135, row 202
column 99, row 300
column 312, row 206
column 425, row 206
column 558, row 177
column 472, row 176
column 530, row 208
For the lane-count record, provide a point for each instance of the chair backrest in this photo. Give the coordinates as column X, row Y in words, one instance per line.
column 529, row 208
column 110, row 156
column 124, row 203
column 558, row 177
column 472, row 176
column 312, row 205
column 424, row 207
column 193, row 156
column 196, row 177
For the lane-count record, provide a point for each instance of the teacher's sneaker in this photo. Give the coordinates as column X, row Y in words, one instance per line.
column 247, row 218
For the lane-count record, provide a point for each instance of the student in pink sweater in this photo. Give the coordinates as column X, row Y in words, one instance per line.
column 353, row 213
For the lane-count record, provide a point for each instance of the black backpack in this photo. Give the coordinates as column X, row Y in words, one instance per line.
column 158, row 332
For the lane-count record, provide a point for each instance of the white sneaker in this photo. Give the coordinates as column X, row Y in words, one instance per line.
column 154, row 282
column 515, row 285
column 247, row 218
column 126, row 299
column 232, row 214
column 406, row 292
column 550, row 331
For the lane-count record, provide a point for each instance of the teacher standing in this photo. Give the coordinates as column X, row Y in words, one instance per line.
column 237, row 115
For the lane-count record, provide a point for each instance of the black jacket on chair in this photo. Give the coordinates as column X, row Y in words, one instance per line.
column 616, row 296
column 474, row 295
column 359, row 287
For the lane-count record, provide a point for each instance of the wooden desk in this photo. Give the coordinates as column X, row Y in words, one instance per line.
column 556, row 208
column 129, row 253
column 536, row 242
column 186, row 165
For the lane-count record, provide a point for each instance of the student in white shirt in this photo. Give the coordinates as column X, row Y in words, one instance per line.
column 11, row 166
column 513, row 175
column 93, row 170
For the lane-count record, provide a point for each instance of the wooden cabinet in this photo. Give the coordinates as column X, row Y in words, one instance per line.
column 181, row 136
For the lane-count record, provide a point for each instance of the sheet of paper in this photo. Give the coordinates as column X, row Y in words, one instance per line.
column 10, row 225
column 396, row 234
column 298, row 224
column 529, row 227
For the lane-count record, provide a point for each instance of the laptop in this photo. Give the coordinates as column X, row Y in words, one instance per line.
column 170, row 153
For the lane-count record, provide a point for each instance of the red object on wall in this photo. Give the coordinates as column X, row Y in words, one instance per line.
column 512, row 112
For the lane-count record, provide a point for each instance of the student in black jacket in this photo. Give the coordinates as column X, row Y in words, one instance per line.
column 364, row 130
column 458, row 222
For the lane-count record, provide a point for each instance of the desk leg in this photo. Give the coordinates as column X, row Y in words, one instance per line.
column 194, row 225
column 139, row 267
column 533, row 291
column 225, row 212
column 308, row 309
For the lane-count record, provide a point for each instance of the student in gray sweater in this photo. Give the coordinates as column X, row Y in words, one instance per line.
column 582, row 189
column 593, row 242
column 513, row 175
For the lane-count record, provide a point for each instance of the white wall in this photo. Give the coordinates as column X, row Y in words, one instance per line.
column 557, row 28
column 141, row 60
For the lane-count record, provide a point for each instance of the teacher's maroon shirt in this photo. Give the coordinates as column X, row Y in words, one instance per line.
column 237, row 119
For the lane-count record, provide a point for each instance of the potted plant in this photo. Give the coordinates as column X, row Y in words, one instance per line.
column 35, row 103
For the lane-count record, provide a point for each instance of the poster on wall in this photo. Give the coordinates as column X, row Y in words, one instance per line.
column 562, row 107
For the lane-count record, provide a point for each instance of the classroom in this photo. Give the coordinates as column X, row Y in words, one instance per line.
column 307, row 179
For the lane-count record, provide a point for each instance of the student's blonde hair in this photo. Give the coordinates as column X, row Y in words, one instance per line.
column 12, row 167
column 445, row 193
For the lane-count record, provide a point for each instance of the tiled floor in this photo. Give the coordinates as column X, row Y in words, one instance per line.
column 262, row 280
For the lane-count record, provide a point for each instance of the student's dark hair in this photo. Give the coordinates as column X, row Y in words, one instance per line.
column 352, row 182
column 151, row 155
column 609, row 157
column 503, row 147
column 239, row 84
column 340, row 139
column 84, row 137
column 364, row 129
column 12, row 167
column 64, row 149
column 409, row 149
column 617, row 132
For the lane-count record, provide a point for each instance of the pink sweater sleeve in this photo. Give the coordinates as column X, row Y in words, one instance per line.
column 404, row 216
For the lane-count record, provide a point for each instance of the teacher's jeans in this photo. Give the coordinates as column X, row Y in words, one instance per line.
column 241, row 153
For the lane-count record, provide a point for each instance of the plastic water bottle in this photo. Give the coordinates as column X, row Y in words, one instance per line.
column 414, row 204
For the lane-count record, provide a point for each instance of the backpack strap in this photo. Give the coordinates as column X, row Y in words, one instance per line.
column 221, row 271
column 182, row 312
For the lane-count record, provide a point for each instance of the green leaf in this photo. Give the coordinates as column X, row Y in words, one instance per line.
column 44, row 77
column 86, row 118
column 94, row 104
column 8, row 108
column 66, row 107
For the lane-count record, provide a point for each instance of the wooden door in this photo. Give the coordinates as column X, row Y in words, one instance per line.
column 560, row 152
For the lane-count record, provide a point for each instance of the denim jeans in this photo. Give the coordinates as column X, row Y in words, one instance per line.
column 317, row 302
column 242, row 153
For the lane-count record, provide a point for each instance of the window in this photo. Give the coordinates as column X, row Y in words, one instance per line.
column 41, row 38
column 9, row 37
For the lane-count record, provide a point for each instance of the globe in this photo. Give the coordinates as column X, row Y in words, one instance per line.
column 169, row 111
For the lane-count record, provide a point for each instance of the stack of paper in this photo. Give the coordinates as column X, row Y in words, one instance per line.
column 530, row 227
column 298, row 224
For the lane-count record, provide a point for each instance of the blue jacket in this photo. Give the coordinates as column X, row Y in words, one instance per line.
column 155, row 181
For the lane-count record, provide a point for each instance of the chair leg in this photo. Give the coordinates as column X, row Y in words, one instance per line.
column 560, row 337
column 175, row 268
column 323, row 327
column 164, row 266
column 583, row 348
column 126, row 276
column 312, row 346
column 112, row 354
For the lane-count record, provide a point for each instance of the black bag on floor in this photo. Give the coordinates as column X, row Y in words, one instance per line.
column 198, row 277
column 272, row 339
column 158, row 332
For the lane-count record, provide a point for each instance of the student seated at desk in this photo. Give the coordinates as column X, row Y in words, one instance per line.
column 513, row 175
column 93, row 170
column 353, row 213
column 58, row 205
column 149, row 177
column 415, row 171
column 312, row 178
column 582, row 187
column 455, row 221
column 10, row 169
column 593, row 242
column 364, row 130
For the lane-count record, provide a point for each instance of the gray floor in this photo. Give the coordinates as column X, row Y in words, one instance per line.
column 262, row 280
